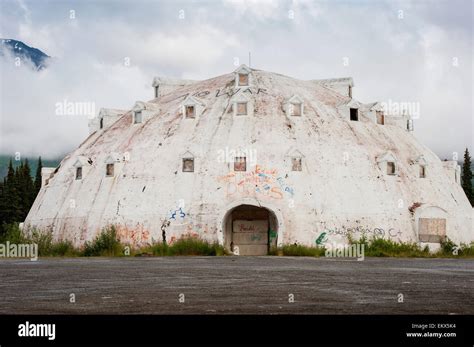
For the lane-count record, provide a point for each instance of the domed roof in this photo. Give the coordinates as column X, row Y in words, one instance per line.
column 183, row 146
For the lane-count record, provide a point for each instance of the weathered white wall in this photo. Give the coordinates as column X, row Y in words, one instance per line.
column 341, row 187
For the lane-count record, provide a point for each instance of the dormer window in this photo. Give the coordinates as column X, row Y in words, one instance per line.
column 242, row 108
column 188, row 164
column 354, row 114
column 79, row 173
column 243, row 80
column 242, row 76
column 240, row 164
column 109, row 170
column 137, row 117
column 190, row 111
column 422, row 171
column 295, row 109
column 390, row 168
column 296, row 164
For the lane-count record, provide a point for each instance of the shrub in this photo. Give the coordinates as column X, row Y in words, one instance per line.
column 105, row 244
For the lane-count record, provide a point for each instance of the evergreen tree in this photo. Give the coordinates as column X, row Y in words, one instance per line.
column 467, row 177
column 11, row 206
column 25, row 188
column 38, row 176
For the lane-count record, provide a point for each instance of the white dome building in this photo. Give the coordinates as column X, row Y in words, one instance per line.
column 253, row 159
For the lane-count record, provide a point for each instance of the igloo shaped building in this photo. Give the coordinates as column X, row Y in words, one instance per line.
column 252, row 160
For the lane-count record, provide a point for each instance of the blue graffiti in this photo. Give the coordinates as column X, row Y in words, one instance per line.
column 182, row 214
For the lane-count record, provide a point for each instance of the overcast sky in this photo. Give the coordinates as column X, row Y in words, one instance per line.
column 109, row 51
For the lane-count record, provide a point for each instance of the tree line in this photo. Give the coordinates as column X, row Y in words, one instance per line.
column 18, row 191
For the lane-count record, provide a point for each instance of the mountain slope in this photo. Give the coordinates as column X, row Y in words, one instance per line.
column 24, row 52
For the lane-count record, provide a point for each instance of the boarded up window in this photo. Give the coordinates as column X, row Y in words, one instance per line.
column 296, row 164
column 109, row 170
column 380, row 118
column 295, row 109
column 422, row 171
column 190, row 112
column 390, row 168
column 241, row 108
column 188, row 165
column 78, row 173
column 243, row 79
column 432, row 229
column 354, row 114
column 138, row 117
column 240, row 164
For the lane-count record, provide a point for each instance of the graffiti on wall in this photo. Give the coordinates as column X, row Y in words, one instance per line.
column 347, row 231
column 133, row 236
column 260, row 181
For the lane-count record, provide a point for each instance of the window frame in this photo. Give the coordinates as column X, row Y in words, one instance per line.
column 135, row 113
column 109, row 172
column 184, row 167
column 422, row 172
column 294, row 106
column 356, row 113
column 238, row 161
column 393, row 165
column 239, row 80
column 245, row 103
column 186, row 114
column 78, row 173
column 298, row 161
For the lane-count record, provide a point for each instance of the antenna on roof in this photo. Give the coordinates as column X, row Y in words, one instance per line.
column 249, row 59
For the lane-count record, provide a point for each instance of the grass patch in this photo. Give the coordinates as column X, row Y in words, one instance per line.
column 187, row 245
column 379, row 247
column 298, row 251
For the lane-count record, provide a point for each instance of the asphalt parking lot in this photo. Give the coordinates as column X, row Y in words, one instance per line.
column 236, row 285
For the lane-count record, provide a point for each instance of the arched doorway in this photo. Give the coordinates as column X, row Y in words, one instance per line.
column 250, row 230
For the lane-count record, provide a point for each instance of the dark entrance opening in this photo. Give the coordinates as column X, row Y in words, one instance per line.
column 250, row 230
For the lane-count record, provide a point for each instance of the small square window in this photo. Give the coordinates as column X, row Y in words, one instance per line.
column 296, row 164
column 241, row 108
column 243, row 79
column 240, row 164
column 390, row 168
column 188, row 164
column 78, row 173
column 109, row 170
column 138, row 117
column 190, row 111
column 354, row 114
column 422, row 171
column 295, row 109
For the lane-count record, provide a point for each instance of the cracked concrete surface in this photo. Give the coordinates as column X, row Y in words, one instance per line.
column 236, row 285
